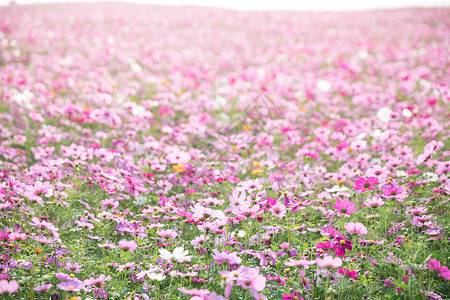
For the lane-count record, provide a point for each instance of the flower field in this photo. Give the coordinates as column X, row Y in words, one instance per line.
column 149, row 152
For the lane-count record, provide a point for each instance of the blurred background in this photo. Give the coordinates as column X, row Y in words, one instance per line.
column 305, row 5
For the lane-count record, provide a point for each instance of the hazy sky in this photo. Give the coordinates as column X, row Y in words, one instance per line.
column 276, row 4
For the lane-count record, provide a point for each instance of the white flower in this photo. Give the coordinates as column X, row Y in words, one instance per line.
column 178, row 254
column 337, row 188
column 323, row 85
column 377, row 133
column 156, row 276
column 406, row 113
column 241, row 233
column 384, row 114
column 401, row 173
column 431, row 176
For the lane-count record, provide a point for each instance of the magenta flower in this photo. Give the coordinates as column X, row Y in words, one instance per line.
column 8, row 287
column 293, row 296
column 357, row 228
column 435, row 265
column 350, row 273
column 340, row 244
column 364, row 184
column 344, row 207
column 324, row 245
column 329, row 232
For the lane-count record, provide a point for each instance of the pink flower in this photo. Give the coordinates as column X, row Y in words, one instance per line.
column 71, row 285
column 97, row 281
column 329, row 262
column 374, row 202
column 39, row 189
column 258, row 296
column 364, row 184
column 357, row 228
column 340, row 244
column 43, row 287
column 344, row 207
column 435, row 265
column 393, row 192
column 225, row 256
column 128, row 245
column 8, row 287
column 302, row 262
column 194, row 292
column 252, row 279
column 278, row 210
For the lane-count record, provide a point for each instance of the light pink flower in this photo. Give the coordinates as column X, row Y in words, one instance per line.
column 357, row 228
column 302, row 262
column 8, row 287
column 329, row 262
column 128, row 245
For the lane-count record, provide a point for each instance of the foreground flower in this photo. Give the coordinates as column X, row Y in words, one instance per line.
column 435, row 265
column 8, row 287
column 178, row 254
column 329, row 262
column 344, row 207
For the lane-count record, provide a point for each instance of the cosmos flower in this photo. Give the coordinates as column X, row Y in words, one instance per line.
column 178, row 255
column 39, row 189
column 329, row 262
column 357, row 228
column 71, row 285
column 293, row 296
column 8, row 287
column 350, row 273
column 302, row 262
column 128, row 245
column 43, row 287
column 364, row 184
column 374, row 202
column 344, row 207
column 340, row 244
column 435, row 265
